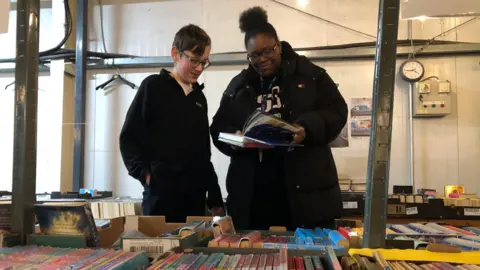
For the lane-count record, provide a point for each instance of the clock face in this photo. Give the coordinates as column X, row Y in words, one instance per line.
column 412, row 70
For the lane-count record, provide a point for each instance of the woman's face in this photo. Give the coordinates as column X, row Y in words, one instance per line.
column 264, row 53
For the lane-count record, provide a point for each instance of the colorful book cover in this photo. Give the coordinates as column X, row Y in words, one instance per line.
column 262, row 130
column 68, row 219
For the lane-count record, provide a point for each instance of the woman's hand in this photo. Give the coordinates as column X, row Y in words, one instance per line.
column 147, row 178
column 300, row 135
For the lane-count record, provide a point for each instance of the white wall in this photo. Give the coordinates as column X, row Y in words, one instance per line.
column 445, row 149
column 440, row 143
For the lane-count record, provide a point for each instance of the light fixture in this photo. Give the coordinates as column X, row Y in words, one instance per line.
column 302, row 3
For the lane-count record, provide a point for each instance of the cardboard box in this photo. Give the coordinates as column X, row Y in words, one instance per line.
column 153, row 227
column 110, row 234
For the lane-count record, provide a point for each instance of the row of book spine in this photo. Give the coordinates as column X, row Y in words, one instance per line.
column 29, row 257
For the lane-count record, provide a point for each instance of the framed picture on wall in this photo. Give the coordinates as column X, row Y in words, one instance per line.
column 361, row 106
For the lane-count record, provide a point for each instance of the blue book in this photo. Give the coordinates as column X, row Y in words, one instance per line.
column 262, row 130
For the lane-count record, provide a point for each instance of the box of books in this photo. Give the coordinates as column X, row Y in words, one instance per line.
column 237, row 258
column 155, row 236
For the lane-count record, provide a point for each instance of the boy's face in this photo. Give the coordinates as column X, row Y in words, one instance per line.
column 190, row 66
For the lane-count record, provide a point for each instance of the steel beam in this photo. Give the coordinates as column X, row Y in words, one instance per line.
column 25, row 129
column 238, row 58
column 42, row 70
column 80, row 93
column 376, row 198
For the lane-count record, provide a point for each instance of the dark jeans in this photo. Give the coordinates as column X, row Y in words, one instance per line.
column 177, row 200
column 270, row 203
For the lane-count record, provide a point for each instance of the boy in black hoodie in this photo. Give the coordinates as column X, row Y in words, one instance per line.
column 165, row 140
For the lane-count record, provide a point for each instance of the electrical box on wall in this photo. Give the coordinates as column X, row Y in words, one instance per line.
column 432, row 99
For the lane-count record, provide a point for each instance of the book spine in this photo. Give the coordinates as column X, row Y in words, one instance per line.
column 199, row 261
column 223, row 262
column 247, row 262
column 263, row 262
column 240, row 262
column 216, row 241
column 177, row 262
column 334, row 236
column 459, row 230
column 308, row 263
column 207, row 262
column 299, row 263
column 217, row 258
column 345, row 232
column 269, row 263
column 248, row 240
column 284, row 258
column 276, row 262
column 174, row 261
column 294, row 246
column 300, row 237
column 186, row 262
column 235, row 262
column 472, row 238
column 291, row 263
column 255, row 262
column 308, row 236
column 317, row 263
column 472, row 230
column 332, row 258
column 229, row 262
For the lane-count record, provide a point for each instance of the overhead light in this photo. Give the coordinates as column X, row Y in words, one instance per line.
column 302, row 3
column 421, row 18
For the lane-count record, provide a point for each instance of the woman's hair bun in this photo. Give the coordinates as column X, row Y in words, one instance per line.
column 253, row 18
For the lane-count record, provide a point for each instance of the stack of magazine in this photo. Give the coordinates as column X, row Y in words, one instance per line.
column 262, row 130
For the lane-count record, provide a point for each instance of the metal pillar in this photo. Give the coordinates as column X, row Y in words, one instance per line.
column 411, row 137
column 381, row 132
column 80, row 93
column 26, row 101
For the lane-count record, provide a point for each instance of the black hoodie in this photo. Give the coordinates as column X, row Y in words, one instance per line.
column 166, row 133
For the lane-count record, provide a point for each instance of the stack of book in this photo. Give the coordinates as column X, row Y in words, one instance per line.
column 423, row 234
column 113, row 208
column 30, row 257
column 393, row 259
column 303, row 239
column 279, row 260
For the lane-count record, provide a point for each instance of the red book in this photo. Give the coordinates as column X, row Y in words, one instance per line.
column 459, row 230
column 241, row 262
column 299, row 263
column 276, row 262
column 291, row 263
column 263, row 262
column 269, row 264
column 255, row 262
column 345, row 232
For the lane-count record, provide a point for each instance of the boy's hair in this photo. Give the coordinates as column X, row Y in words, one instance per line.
column 191, row 38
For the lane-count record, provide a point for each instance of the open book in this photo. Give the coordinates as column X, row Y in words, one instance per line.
column 262, row 130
